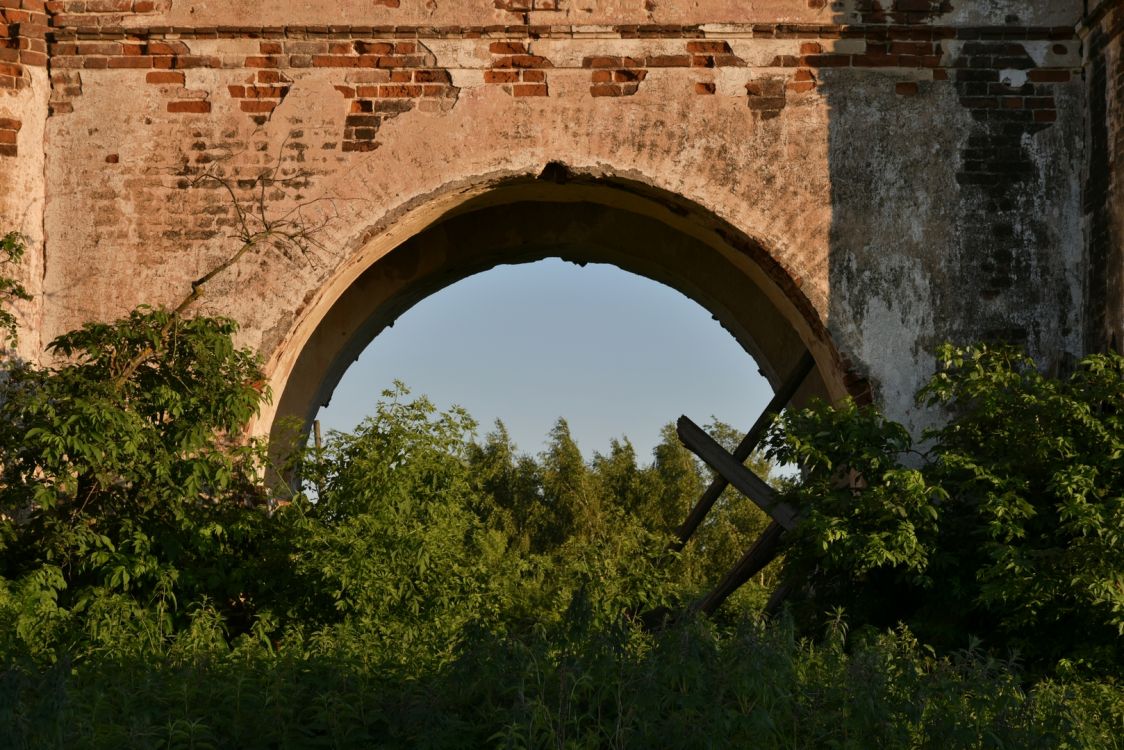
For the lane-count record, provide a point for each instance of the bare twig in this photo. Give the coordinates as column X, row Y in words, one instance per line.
column 255, row 226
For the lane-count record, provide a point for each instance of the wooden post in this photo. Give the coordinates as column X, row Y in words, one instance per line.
column 763, row 552
column 745, row 448
column 743, row 480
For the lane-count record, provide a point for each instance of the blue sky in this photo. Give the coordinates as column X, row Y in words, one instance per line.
column 614, row 353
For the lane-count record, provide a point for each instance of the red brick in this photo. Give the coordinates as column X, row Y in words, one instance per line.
column 130, row 62
column 602, row 62
column 374, row 48
column 708, row 47
column 702, row 87
column 399, row 91
column 1039, row 75
column 10, row 123
column 166, row 77
column 167, row 48
column 668, row 61
column 529, row 89
column 501, row 76
column 194, row 106
column 827, row 61
column 9, row 136
column 507, row 48
column 527, row 61
column 333, row 61
column 265, row 61
column 785, row 61
column 605, row 89
column 906, row 88
column 257, row 105
column 810, row 48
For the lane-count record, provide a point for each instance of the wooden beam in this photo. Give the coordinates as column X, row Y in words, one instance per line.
column 745, row 448
column 760, row 554
column 743, row 480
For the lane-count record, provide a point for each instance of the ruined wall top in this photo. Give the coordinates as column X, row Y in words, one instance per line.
column 585, row 13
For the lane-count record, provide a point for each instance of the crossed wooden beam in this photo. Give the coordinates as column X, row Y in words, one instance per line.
column 731, row 471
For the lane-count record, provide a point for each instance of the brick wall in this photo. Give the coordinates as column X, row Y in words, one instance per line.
column 751, row 120
column 1104, row 185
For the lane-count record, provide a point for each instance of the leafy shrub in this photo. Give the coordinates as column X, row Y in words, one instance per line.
column 1010, row 528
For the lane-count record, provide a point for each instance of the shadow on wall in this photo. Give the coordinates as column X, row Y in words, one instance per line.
column 1104, row 193
column 955, row 153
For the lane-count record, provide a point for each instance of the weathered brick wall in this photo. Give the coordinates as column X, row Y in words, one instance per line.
column 23, row 115
column 907, row 170
column 1104, row 185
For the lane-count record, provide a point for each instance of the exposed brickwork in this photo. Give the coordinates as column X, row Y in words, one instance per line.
column 742, row 118
column 713, row 54
column 261, row 92
column 65, row 86
column 615, row 76
column 518, row 71
column 1009, row 99
column 525, row 6
column 9, row 136
column 101, row 12
column 23, row 40
column 900, row 11
column 1104, row 183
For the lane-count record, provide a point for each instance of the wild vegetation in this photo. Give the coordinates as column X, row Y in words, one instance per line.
column 429, row 588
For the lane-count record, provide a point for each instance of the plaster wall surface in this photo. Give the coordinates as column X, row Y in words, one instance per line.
column 888, row 175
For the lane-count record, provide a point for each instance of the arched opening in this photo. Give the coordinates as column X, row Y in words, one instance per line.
column 616, row 355
column 580, row 219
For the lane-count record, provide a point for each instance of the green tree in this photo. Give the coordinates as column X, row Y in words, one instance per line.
column 126, row 481
column 1009, row 529
column 570, row 500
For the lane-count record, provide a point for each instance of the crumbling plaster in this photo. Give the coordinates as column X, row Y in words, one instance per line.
column 887, row 175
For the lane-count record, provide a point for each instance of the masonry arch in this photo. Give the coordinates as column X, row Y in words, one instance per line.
column 555, row 214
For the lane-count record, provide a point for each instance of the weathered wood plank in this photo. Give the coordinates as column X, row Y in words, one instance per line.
column 745, row 448
column 761, row 553
column 743, row 480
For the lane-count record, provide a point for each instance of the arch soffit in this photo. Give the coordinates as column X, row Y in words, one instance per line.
column 556, row 185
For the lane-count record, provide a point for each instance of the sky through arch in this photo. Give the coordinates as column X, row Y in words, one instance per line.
column 614, row 353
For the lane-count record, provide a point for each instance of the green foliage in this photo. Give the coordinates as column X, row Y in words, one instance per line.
column 1009, row 529
column 1036, row 467
column 11, row 253
column 121, row 499
column 437, row 591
